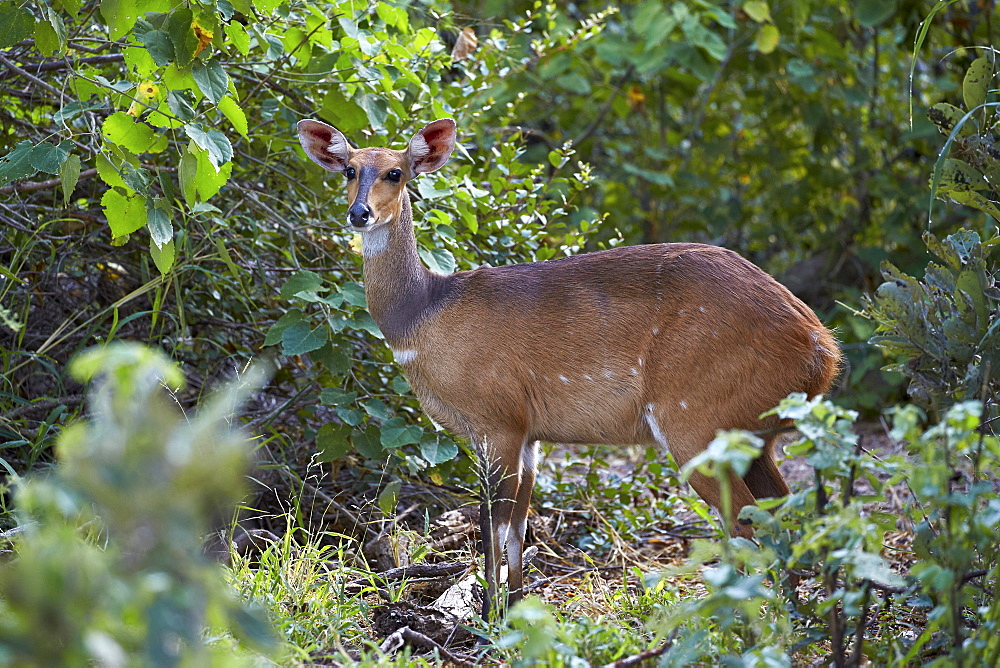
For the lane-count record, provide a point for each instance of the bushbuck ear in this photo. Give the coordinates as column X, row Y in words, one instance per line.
column 325, row 145
column 431, row 147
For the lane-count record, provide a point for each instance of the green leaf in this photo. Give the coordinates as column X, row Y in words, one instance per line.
column 128, row 132
column 120, row 15
column 159, row 46
column 70, row 176
column 334, row 396
column 125, row 214
column 375, row 109
column 354, row 294
column 17, row 164
column 396, row 433
column 158, row 217
column 351, row 416
column 16, row 24
column 438, row 450
column 388, row 497
column 333, row 441
column 301, row 281
column 108, row 172
column 977, row 82
column 187, row 174
column 368, row 442
column 50, row 34
column 208, row 180
column 377, row 408
column 237, row 34
column 299, row 339
column 220, row 151
column 870, row 13
column 274, row 334
column 333, row 357
column 212, row 80
column 46, row 157
column 767, row 38
column 182, row 35
column 235, row 114
column 163, row 257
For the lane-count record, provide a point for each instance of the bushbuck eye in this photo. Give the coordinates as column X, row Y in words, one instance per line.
column 349, row 173
column 394, row 175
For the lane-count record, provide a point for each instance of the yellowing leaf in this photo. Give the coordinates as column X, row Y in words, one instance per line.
column 767, row 38
column 204, row 37
column 757, row 10
column 147, row 96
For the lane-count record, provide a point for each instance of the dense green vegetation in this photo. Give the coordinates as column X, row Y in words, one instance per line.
column 152, row 190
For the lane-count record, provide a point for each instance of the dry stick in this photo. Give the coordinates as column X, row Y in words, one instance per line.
column 31, row 77
column 401, row 636
column 641, row 656
column 35, row 68
column 32, row 186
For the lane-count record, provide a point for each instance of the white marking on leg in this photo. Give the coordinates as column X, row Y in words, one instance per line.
column 502, row 532
column 529, row 457
column 404, row 356
column 654, row 427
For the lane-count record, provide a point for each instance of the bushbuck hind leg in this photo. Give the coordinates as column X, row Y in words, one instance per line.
column 519, row 523
column 764, row 478
column 500, row 477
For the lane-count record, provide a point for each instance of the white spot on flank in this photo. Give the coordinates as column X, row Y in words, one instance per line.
column 564, row 379
column 684, row 405
column 635, row 372
column 404, row 356
column 640, row 361
column 656, row 330
column 531, row 372
column 715, row 333
column 682, row 312
column 702, row 309
column 588, row 378
column 608, row 374
column 654, row 427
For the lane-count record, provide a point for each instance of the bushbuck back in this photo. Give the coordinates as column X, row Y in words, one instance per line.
column 655, row 345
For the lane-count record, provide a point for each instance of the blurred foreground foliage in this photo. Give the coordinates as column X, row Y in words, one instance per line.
column 153, row 190
column 111, row 567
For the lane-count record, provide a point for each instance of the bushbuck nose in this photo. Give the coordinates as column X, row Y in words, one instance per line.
column 358, row 214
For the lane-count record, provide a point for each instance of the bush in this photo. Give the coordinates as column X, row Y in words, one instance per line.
column 110, row 566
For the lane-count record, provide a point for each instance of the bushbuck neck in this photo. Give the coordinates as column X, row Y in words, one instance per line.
column 659, row 345
column 398, row 287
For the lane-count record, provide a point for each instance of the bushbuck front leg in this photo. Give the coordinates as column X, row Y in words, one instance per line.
column 500, row 477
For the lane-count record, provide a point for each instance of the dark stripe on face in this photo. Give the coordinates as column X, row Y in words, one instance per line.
column 367, row 176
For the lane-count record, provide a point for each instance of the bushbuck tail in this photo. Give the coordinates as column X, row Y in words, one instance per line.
column 658, row 345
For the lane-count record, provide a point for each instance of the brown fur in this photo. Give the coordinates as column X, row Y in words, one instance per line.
column 655, row 345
